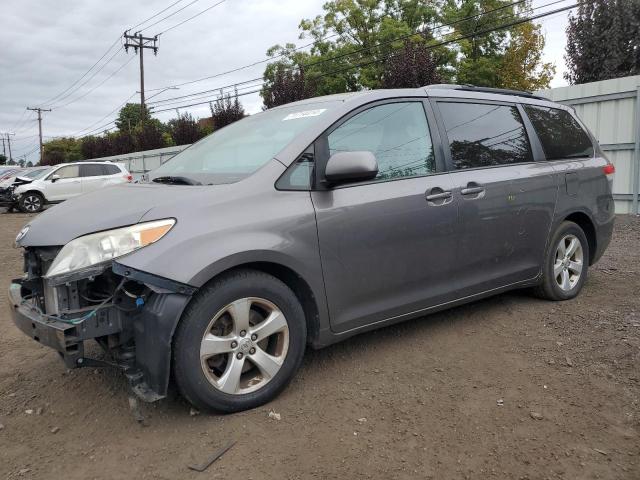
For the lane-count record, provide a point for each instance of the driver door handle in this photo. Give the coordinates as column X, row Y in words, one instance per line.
column 437, row 196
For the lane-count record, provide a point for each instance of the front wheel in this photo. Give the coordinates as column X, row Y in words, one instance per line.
column 239, row 342
column 31, row 202
column 566, row 263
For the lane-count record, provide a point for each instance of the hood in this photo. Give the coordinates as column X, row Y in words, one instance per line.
column 104, row 209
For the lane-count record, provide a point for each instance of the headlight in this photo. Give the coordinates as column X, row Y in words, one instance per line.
column 96, row 248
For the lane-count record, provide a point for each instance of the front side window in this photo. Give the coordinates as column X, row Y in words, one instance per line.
column 70, row 171
column 396, row 133
column 560, row 134
column 236, row 151
column 484, row 135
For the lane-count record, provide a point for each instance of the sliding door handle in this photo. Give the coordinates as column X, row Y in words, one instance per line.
column 472, row 190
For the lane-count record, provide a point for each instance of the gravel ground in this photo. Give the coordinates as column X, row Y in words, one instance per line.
column 509, row 387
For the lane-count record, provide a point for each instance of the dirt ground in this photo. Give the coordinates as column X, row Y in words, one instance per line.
column 510, row 387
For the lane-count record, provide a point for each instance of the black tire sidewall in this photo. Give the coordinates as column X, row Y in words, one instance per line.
column 188, row 374
column 550, row 286
column 22, row 199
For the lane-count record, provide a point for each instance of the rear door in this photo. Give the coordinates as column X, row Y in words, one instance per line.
column 506, row 198
column 386, row 245
column 93, row 177
column 68, row 185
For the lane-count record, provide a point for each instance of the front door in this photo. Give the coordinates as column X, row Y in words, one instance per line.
column 506, row 199
column 386, row 246
column 66, row 186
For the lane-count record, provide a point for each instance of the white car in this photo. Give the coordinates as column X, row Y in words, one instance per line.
column 68, row 180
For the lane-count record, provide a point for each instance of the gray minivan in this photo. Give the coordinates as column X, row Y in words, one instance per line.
column 309, row 223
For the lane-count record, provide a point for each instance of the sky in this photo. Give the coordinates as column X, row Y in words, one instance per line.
column 47, row 46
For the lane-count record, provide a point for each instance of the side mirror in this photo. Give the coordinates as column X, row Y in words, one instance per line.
column 55, row 178
column 345, row 167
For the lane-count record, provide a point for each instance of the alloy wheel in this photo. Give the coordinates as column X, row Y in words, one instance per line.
column 244, row 345
column 569, row 261
column 32, row 203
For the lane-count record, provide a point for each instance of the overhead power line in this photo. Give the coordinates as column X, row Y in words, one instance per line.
column 169, row 16
column 154, row 15
column 335, row 57
column 192, row 17
column 56, row 97
column 435, row 45
column 271, row 59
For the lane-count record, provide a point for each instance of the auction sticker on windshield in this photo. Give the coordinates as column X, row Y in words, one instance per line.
column 304, row 114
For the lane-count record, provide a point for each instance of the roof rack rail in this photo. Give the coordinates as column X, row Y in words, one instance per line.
column 499, row 91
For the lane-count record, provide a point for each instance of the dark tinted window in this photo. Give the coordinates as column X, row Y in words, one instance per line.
column 483, row 135
column 91, row 170
column 396, row 133
column 560, row 134
column 111, row 169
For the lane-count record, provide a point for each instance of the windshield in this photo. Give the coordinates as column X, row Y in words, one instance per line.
column 34, row 174
column 236, row 151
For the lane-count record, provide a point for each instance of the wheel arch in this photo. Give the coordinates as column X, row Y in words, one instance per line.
column 296, row 282
column 585, row 222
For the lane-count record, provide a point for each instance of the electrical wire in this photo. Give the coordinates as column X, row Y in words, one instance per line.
column 56, row 97
column 269, row 59
column 191, row 18
column 155, row 15
column 169, row 16
column 441, row 43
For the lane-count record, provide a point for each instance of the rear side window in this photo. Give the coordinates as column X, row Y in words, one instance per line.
column 560, row 134
column 484, row 135
column 111, row 169
column 91, row 170
column 396, row 133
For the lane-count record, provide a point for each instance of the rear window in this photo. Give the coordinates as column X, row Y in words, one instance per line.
column 560, row 134
column 484, row 135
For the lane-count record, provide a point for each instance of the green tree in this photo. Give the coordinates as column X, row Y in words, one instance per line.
column 3, row 159
column 130, row 116
column 502, row 58
column 149, row 135
column 363, row 44
column 29, row 164
column 61, row 150
column 184, row 130
column 603, row 41
column 225, row 111
column 352, row 39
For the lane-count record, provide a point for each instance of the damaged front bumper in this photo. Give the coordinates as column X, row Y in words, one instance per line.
column 136, row 335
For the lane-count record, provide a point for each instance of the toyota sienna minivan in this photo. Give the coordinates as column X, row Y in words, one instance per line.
column 309, row 223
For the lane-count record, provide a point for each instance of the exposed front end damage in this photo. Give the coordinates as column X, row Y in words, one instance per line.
column 131, row 314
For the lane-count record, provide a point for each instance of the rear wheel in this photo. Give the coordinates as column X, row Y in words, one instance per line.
column 31, row 202
column 566, row 263
column 239, row 342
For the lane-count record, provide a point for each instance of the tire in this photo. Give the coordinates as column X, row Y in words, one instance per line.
column 560, row 277
column 213, row 322
column 31, row 202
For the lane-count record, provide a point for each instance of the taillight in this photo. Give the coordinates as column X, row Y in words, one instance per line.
column 128, row 178
column 609, row 169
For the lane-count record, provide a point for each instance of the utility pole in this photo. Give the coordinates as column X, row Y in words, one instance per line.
column 139, row 43
column 40, row 110
column 4, row 152
column 6, row 135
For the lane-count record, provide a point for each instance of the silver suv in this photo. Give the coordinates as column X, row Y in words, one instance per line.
column 312, row 222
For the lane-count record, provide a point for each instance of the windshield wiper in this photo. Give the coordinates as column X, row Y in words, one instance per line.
column 172, row 180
